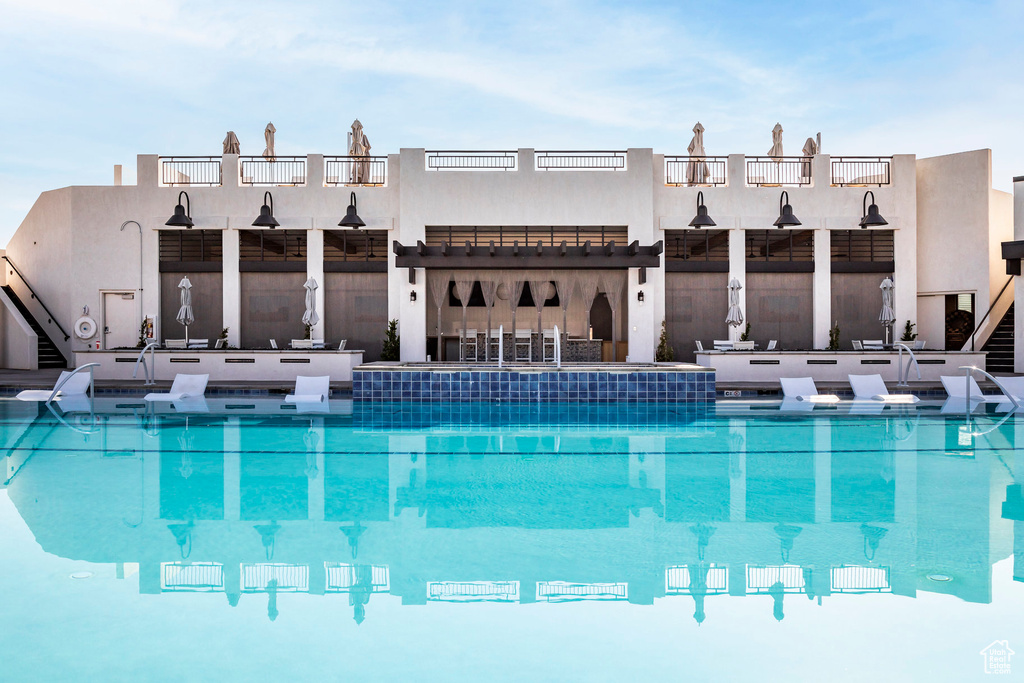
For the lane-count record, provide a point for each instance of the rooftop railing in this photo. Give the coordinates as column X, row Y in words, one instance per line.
column 448, row 160
column 560, row 591
column 761, row 578
column 860, row 579
column 554, row 160
column 289, row 578
column 695, row 171
column 191, row 171
column 192, row 576
column 473, row 591
column 349, row 170
column 861, row 171
column 259, row 171
column 681, row 579
column 778, row 171
column 342, row 578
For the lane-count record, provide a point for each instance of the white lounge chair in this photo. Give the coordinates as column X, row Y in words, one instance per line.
column 273, row 343
column 918, row 345
column 78, row 385
column 722, row 344
column 857, row 345
column 956, row 387
column 873, row 344
column 174, row 344
column 523, row 345
column 341, row 344
column 310, row 390
column 198, row 343
column 1014, row 385
column 872, row 388
column 318, row 343
column 183, row 387
column 772, row 343
column 700, row 346
column 803, row 389
column 301, row 343
column 220, row 343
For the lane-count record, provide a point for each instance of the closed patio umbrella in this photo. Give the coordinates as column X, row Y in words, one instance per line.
column 734, row 318
column 359, row 146
column 887, row 316
column 776, row 151
column 310, row 317
column 268, row 133
column 231, row 145
column 185, row 316
column 696, row 169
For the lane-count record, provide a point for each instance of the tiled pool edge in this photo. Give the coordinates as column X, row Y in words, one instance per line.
column 550, row 384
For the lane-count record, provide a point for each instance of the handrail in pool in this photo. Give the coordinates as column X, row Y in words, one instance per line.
column 902, row 379
column 968, row 369
column 151, row 347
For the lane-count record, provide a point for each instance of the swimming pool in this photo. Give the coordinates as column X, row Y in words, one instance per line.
column 514, row 542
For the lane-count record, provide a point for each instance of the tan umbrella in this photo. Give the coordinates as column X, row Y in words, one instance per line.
column 268, row 153
column 734, row 317
column 810, row 147
column 776, row 151
column 231, row 145
column 359, row 146
column 696, row 169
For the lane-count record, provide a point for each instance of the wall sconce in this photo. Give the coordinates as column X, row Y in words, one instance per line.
column 266, row 218
column 640, row 297
column 871, row 217
column 412, row 296
column 786, row 218
column 702, row 219
column 351, row 219
column 182, row 218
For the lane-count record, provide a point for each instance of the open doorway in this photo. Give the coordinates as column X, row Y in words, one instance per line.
column 959, row 320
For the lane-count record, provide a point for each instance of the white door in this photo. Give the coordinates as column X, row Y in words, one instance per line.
column 120, row 320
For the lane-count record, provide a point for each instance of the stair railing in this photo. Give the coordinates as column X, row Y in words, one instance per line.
column 901, row 377
column 985, row 317
column 53, row 318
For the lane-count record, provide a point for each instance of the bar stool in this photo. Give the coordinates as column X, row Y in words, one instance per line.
column 494, row 344
column 548, row 346
column 524, row 345
column 468, row 347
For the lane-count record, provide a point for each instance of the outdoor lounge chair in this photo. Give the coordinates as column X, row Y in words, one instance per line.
column 873, row 344
column 273, row 343
column 174, row 344
column 1014, row 385
column 803, row 389
column 183, row 387
column 772, row 343
column 956, row 387
column 198, row 343
column 341, row 344
column 872, row 387
column 722, row 344
column 301, row 343
column 700, row 346
column 76, row 386
column 857, row 345
column 310, row 390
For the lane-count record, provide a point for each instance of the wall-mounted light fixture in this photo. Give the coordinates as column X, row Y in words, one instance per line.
column 266, row 218
column 702, row 219
column 786, row 218
column 412, row 296
column 640, row 297
column 351, row 219
column 182, row 217
column 871, row 217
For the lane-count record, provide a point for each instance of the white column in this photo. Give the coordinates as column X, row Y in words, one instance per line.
column 231, row 284
column 411, row 315
column 738, row 270
column 822, row 287
column 315, row 477
column 822, row 471
column 315, row 270
column 232, row 470
column 737, row 471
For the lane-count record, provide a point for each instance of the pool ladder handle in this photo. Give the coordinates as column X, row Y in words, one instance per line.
column 968, row 369
column 150, row 371
column 901, row 377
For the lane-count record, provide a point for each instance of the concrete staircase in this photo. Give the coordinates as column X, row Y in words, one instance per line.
column 999, row 346
column 49, row 355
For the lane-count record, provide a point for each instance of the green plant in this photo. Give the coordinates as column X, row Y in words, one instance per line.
column 309, row 332
column 391, row 348
column 908, row 332
column 833, row 337
column 143, row 328
column 224, row 333
column 746, row 333
column 664, row 354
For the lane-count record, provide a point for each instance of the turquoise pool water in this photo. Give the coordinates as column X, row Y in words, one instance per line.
column 528, row 542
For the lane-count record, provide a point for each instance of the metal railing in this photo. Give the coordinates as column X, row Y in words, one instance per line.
column 148, row 369
column 341, row 578
column 449, row 160
column 198, row 577
column 258, row 171
column 289, row 577
column 191, row 171
column 902, row 378
column 968, row 369
column 679, row 579
column 861, row 171
column 859, row 579
column 559, row 591
column 557, row 160
column 695, row 171
column 348, row 170
column 473, row 591
column 778, row 171
column 761, row 578
column 92, row 381
column 989, row 311
column 52, row 318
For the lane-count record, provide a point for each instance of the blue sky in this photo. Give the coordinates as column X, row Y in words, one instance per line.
column 90, row 85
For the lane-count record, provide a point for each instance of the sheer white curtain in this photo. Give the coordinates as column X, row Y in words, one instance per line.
column 463, row 290
column 439, row 291
column 613, row 284
column 587, row 282
column 489, row 289
column 540, row 288
column 514, row 286
column 565, row 284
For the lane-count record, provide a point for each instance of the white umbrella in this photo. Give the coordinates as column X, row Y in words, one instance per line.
column 268, row 153
column 810, row 147
column 735, row 316
column 185, row 316
column 696, row 170
column 309, row 317
column 231, row 145
column 359, row 146
column 776, row 151
column 887, row 316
